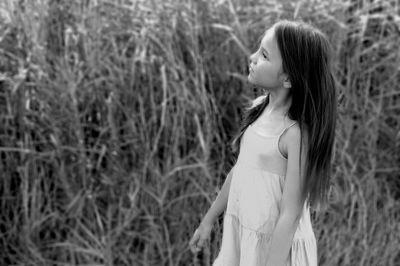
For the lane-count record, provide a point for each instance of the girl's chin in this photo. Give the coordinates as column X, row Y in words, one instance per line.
column 251, row 81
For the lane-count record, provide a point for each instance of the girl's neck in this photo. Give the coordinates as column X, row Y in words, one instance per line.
column 278, row 105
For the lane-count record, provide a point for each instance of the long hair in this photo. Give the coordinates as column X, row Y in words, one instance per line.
column 306, row 59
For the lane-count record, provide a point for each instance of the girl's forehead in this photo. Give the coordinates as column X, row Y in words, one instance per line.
column 269, row 36
column 268, row 41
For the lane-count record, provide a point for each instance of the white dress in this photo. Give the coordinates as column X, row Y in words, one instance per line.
column 253, row 202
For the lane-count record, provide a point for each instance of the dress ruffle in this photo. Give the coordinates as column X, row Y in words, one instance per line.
column 243, row 246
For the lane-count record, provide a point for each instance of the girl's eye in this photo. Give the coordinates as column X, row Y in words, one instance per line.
column 264, row 55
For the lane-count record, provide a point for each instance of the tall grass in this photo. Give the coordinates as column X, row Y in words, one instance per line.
column 117, row 117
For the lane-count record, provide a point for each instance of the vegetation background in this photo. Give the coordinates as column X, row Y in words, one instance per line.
column 116, row 118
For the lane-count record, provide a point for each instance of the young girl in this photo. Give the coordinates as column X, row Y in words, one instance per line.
column 284, row 162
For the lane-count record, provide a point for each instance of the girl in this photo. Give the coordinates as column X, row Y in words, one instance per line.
column 285, row 141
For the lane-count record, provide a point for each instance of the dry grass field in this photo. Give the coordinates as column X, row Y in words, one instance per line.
column 116, row 118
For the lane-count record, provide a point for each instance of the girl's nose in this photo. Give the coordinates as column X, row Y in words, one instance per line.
column 253, row 58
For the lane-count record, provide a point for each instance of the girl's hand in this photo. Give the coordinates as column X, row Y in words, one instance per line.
column 199, row 237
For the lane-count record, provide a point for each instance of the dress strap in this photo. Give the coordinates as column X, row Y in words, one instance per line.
column 279, row 138
column 285, row 129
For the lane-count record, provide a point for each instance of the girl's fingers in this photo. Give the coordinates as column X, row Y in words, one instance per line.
column 200, row 244
column 197, row 242
column 192, row 243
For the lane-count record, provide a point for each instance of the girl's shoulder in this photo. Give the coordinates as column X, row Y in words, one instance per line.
column 293, row 134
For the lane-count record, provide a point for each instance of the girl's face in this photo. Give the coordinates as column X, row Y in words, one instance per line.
column 265, row 68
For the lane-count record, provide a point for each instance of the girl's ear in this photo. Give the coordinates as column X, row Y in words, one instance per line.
column 286, row 83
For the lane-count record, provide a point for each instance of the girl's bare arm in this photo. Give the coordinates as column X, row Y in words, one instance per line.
column 219, row 205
